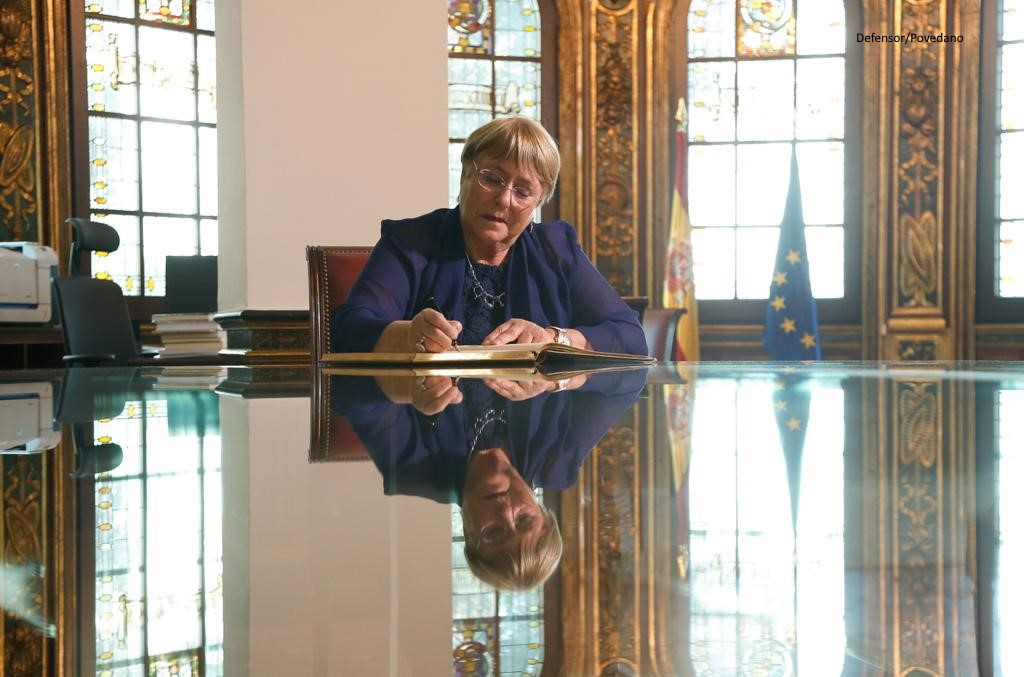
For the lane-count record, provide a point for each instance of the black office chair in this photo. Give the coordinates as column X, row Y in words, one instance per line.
column 89, row 395
column 93, row 314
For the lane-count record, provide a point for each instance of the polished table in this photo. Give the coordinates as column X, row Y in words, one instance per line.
column 715, row 519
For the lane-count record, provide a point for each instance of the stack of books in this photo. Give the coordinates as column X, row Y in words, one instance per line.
column 188, row 333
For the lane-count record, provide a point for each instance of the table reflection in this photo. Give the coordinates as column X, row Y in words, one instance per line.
column 832, row 519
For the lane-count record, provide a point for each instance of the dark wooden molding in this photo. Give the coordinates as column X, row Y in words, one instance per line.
column 266, row 336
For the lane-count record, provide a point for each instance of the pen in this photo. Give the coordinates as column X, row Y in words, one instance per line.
column 432, row 304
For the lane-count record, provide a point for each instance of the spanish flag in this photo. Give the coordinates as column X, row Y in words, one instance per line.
column 679, row 258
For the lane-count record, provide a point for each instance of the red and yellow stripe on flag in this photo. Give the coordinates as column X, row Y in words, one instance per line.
column 679, row 258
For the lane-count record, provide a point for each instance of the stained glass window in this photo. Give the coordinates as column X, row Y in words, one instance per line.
column 494, row 58
column 159, row 561
column 151, row 83
column 493, row 633
column 765, row 569
column 761, row 77
column 1009, row 224
column 1007, row 616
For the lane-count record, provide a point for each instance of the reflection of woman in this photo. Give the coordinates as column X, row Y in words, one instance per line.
column 502, row 278
column 486, row 453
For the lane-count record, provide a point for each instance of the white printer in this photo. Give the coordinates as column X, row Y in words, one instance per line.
column 25, row 272
column 26, row 418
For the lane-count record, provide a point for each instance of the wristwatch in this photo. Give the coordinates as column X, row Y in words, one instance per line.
column 561, row 336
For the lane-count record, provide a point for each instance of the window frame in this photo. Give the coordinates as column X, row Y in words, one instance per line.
column 989, row 306
column 846, row 310
column 141, row 307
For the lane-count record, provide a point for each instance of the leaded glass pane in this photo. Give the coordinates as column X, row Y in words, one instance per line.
column 1011, row 259
column 166, row 74
column 111, row 66
column 825, row 245
column 762, row 183
column 821, row 182
column 1012, row 18
column 711, row 172
column 470, row 88
column 454, row 172
column 765, row 28
column 1011, row 87
column 1008, row 616
column 712, row 29
column 755, row 258
column 208, row 171
column 121, row 266
column 820, row 98
column 469, row 26
column 205, row 16
column 516, row 28
column 1011, row 175
column 209, row 244
column 168, row 168
column 165, row 236
column 113, row 163
column 712, row 100
column 714, row 262
column 517, row 88
column 745, row 614
column 766, row 105
column 175, row 12
column 206, row 77
column 821, row 27
column 121, row 8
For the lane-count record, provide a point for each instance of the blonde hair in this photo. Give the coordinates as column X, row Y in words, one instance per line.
column 523, row 569
column 517, row 138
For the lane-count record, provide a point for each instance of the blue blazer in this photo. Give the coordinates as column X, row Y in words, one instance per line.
column 549, row 436
column 551, row 282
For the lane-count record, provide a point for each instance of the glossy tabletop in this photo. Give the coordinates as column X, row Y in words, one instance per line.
column 711, row 519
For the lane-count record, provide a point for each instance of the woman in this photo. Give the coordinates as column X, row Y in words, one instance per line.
column 483, row 272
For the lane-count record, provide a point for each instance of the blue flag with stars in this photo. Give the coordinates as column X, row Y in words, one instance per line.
column 791, row 318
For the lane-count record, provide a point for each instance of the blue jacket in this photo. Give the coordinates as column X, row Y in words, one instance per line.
column 550, row 282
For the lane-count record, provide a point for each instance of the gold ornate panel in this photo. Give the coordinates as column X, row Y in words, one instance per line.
column 921, row 608
column 35, row 147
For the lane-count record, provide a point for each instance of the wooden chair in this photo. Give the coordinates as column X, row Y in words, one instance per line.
column 660, row 330
column 333, row 272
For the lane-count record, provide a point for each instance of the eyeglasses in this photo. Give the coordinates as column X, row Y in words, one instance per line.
column 493, row 182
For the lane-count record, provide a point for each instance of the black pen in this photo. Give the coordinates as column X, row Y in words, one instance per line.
column 432, row 304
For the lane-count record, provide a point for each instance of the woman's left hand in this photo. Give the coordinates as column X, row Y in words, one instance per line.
column 518, row 331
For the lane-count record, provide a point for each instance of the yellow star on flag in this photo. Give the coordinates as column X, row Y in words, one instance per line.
column 780, row 277
column 778, row 303
column 793, row 257
column 807, row 340
column 793, row 424
column 781, row 405
column 788, row 326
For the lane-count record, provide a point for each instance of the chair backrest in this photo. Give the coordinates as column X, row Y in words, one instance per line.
column 90, row 236
column 95, row 321
column 660, row 330
column 333, row 272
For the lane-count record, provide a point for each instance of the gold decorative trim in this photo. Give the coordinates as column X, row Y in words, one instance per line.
column 26, row 602
column 920, row 80
column 918, row 524
column 613, row 111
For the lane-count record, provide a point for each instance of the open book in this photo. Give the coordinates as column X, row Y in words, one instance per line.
column 553, row 357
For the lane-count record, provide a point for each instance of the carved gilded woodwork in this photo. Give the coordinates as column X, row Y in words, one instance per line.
column 919, row 305
column 613, row 109
column 918, row 495
column 35, row 147
column 25, row 602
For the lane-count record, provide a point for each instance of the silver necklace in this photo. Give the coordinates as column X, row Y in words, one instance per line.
column 486, row 298
column 489, row 417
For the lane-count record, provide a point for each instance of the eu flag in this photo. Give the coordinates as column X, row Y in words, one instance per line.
column 791, row 319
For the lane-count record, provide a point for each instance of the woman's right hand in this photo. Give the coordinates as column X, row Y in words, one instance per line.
column 432, row 332
column 432, row 394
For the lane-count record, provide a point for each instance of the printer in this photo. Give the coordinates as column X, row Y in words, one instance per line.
column 27, row 423
column 25, row 272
